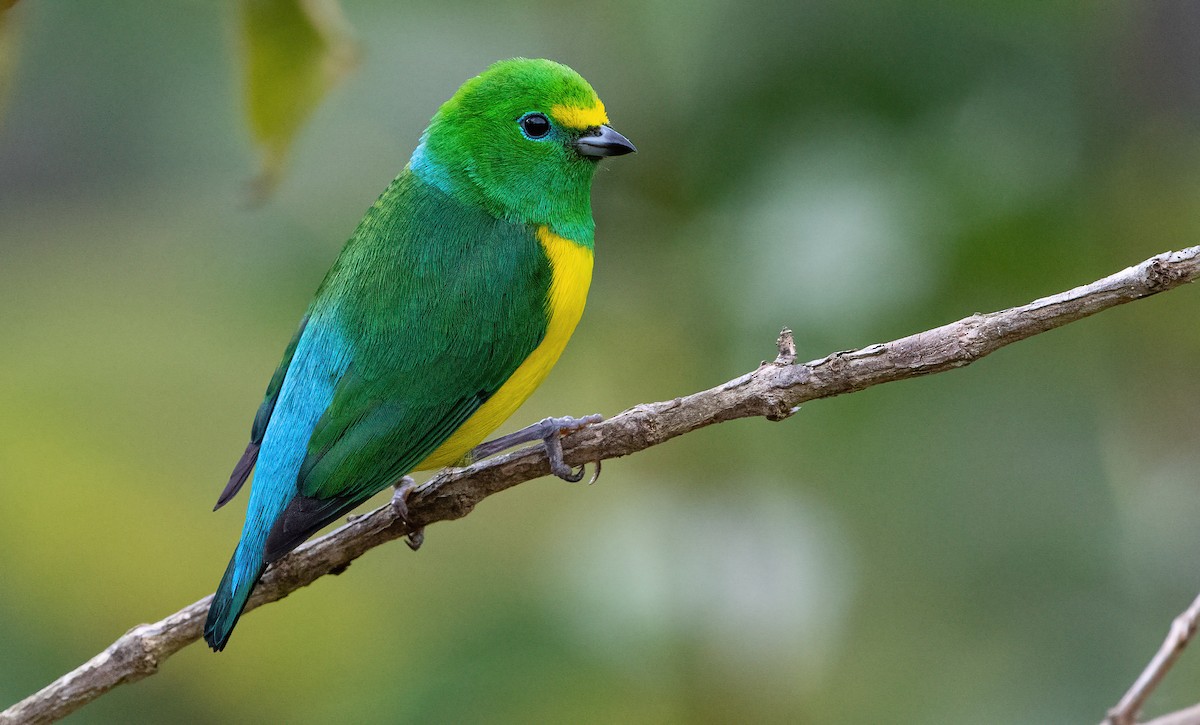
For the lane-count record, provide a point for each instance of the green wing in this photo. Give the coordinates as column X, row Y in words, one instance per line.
column 439, row 304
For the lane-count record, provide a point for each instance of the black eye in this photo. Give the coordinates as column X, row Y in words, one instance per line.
column 535, row 125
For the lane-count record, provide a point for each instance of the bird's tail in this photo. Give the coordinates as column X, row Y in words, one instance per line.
column 245, row 567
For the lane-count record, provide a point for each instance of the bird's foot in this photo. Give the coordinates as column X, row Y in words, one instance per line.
column 416, row 534
column 550, row 431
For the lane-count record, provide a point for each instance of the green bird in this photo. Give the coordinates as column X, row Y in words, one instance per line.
column 447, row 307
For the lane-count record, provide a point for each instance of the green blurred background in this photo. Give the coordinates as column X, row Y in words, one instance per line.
column 1001, row 544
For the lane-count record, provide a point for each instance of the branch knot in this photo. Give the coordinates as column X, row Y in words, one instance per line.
column 786, row 343
column 1161, row 274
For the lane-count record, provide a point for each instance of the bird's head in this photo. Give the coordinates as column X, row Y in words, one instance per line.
column 521, row 140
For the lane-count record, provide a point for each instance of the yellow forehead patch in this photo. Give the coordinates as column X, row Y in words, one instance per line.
column 578, row 117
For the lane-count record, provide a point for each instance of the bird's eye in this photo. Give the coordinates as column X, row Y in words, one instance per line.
column 534, row 125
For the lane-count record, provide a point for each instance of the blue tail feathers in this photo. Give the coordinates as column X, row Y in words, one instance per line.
column 245, row 567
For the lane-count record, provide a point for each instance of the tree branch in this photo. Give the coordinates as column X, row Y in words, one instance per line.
column 1126, row 711
column 773, row 391
column 1186, row 716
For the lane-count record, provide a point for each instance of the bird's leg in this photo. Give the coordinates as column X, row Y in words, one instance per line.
column 404, row 488
column 549, row 431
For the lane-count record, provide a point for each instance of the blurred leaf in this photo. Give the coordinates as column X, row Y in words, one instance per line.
column 8, row 53
column 295, row 51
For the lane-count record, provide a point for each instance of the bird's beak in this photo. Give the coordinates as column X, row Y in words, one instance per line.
column 603, row 141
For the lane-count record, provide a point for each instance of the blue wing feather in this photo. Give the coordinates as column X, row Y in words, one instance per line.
column 320, row 358
column 244, row 465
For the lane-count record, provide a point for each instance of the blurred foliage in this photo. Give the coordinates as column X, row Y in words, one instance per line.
column 8, row 52
column 295, row 52
column 1000, row 544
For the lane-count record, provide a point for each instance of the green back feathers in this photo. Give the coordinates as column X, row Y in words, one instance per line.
column 475, row 149
column 439, row 303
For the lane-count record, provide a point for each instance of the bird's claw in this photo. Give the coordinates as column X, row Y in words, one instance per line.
column 550, row 432
column 554, row 453
column 416, row 534
column 554, row 429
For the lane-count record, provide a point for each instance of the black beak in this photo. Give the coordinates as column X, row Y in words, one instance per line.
column 603, row 141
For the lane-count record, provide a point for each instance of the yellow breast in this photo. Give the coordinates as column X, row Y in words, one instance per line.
column 571, row 275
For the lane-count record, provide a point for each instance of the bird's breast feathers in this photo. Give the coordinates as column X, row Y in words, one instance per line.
column 571, row 276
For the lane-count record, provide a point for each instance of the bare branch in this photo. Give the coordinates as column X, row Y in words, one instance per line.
column 1186, row 716
column 1182, row 629
column 773, row 391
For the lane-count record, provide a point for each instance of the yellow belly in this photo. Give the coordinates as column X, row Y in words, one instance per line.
column 571, row 275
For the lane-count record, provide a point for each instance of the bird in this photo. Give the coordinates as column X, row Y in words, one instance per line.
column 451, row 301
